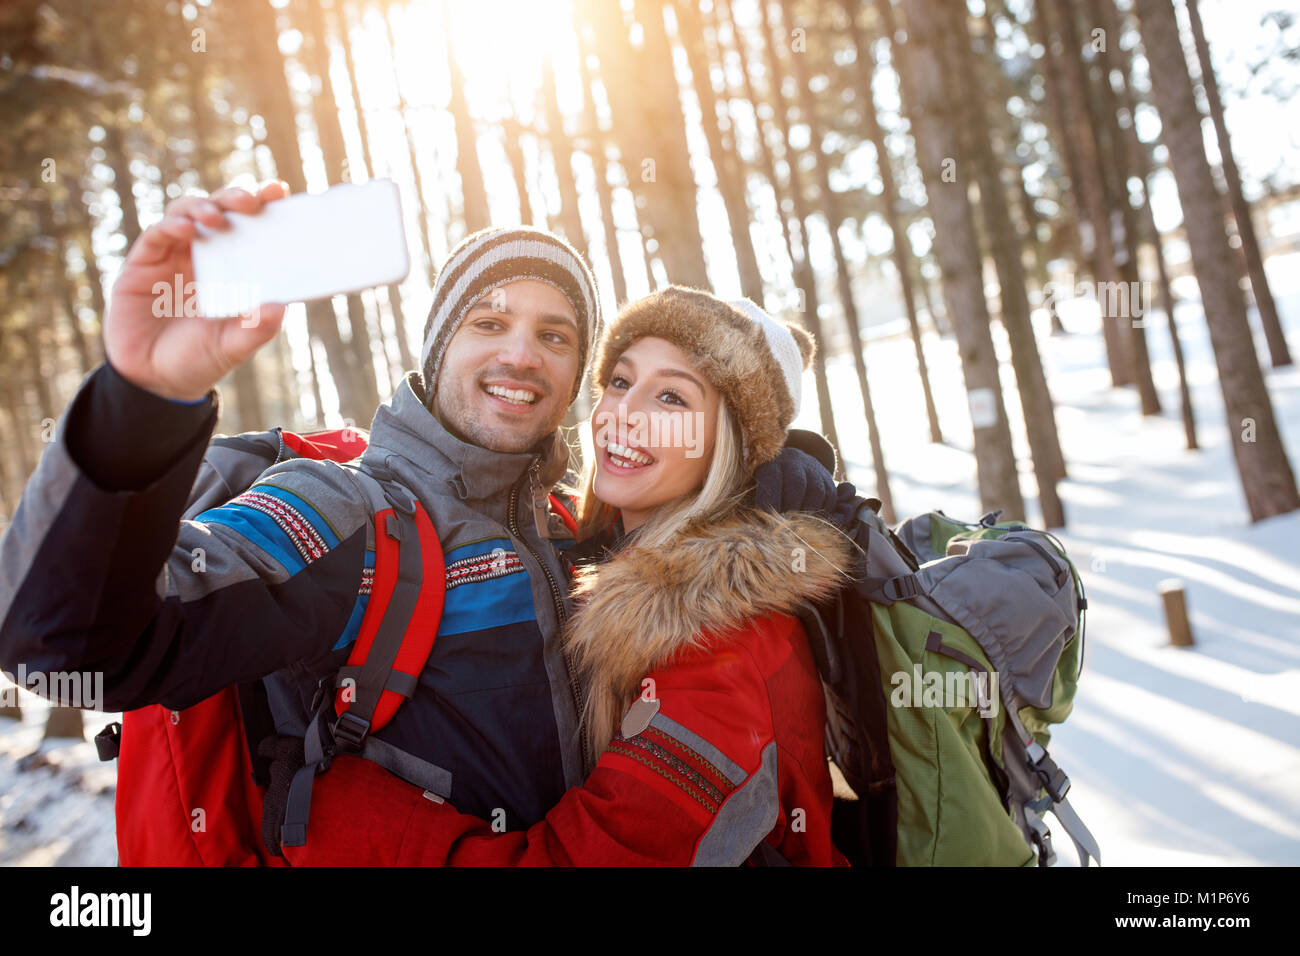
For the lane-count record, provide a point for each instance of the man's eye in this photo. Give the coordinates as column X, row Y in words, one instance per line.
column 558, row 339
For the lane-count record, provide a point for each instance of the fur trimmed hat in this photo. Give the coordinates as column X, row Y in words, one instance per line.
column 754, row 360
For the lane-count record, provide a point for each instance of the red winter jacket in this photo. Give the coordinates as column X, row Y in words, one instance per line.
column 726, row 753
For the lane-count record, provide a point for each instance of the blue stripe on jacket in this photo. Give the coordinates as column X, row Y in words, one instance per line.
column 502, row 597
column 262, row 529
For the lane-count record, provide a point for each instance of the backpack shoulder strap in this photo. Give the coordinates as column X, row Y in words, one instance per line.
column 396, row 638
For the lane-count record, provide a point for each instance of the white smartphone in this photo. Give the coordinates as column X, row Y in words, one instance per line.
column 310, row 246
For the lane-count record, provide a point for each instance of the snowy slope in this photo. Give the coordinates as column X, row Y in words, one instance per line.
column 1178, row 756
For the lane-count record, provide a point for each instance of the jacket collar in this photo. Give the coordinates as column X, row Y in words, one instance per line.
column 409, row 442
column 643, row 604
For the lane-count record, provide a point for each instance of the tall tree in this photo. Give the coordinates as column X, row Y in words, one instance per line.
column 1273, row 334
column 474, row 201
column 276, row 106
column 1266, row 476
column 595, row 136
column 329, row 133
column 250, row 413
column 931, row 99
column 340, row 24
column 1035, row 398
column 1119, row 64
column 902, row 249
column 730, row 178
column 650, row 133
column 805, row 278
column 561, row 149
column 833, row 217
column 1061, row 41
column 1115, row 181
column 763, row 153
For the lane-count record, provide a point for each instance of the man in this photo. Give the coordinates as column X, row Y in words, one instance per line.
column 96, row 576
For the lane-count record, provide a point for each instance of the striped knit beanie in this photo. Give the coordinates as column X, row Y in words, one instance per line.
column 487, row 259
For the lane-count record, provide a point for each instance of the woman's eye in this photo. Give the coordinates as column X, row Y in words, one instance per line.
column 618, row 381
column 676, row 399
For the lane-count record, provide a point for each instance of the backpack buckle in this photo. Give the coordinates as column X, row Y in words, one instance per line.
column 108, row 742
column 349, row 732
column 1054, row 779
column 902, row 588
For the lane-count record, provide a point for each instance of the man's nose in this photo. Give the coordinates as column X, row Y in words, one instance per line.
column 520, row 350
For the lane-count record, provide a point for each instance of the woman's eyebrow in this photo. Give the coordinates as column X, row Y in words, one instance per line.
column 667, row 373
column 678, row 373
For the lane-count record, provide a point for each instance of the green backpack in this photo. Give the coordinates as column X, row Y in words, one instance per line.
column 944, row 665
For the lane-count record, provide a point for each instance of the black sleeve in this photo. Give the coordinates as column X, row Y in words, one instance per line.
column 125, row 437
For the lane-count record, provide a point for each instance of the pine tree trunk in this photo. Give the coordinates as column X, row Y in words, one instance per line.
column 600, row 165
column 250, row 413
column 1035, row 398
column 1139, row 164
column 282, row 137
column 64, row 723
column 94, row 279
column 20, row 426
column 1059, row 29
column 650, row 133
column 1115, row 178
column 805, row 279
column 1267, row 479
column 474, row 200
column 338, row 24
column 767, row 165
column 68, row 288
column 931, row 100
column 329, row 132
column 830, row 211
column 902, row 251
column 730, row 179
column 1276, row 338
column 938, row 318
column 511, row 131
column 424, row 213
column 562, row 156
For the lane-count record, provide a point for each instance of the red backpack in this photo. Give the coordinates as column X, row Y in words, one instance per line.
column 191, row 784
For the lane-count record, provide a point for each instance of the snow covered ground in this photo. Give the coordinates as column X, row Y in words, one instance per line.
column 1178, row 756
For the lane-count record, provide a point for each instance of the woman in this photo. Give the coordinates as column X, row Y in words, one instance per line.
column 702, row 700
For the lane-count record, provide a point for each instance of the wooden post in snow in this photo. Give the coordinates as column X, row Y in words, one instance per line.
column 1175, row 599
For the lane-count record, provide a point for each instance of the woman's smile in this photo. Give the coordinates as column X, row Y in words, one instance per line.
column 621, row 461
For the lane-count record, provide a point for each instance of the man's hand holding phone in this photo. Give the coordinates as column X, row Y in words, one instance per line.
column 176, row 355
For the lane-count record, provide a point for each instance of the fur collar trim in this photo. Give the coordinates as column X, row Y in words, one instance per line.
column 640, row 607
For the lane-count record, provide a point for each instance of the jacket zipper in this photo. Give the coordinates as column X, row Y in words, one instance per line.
column 556, row 597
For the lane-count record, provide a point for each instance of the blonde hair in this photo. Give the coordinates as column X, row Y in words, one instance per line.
column 720, row 493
